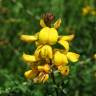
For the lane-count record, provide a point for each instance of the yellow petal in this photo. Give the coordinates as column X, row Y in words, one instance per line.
column 39, row 78
column 45, row 78
column 40, row 68
column 65, row 44
column 46, row 52
column 37, row 42
column 48, row 36
column 57, row 23
column 73, row 56
column 53, row 36
column 37, row 52
column 42, row 23
column 45, row 68
column 28, row 74
column 60, row 59
column 64, row 70
column 42, row 78
column 67, row 38
column 28, row 38
column 29, row 58
column 44, row 35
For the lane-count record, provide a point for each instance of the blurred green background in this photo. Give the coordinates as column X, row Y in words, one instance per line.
column 22, row 17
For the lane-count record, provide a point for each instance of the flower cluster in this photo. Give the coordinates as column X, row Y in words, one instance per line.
column 47, row 58
column 88, row 10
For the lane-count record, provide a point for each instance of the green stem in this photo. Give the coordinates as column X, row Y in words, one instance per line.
column 53, row 78
column 54, row 81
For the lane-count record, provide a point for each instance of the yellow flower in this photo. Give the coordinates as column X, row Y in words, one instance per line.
column 60, row 59
column 42, row 77
column 73, row 56
column 86, row 10
column 46, row 56
column 28, row 38
column 29, row 58
column 48, row 36
column 30, row 74
column 45, row 68
column 46, row 51
column 43, row 52
column 64, row 70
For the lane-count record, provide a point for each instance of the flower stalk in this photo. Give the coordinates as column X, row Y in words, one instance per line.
column 54, row 82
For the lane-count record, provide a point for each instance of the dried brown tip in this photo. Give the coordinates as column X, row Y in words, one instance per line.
column 48, row 18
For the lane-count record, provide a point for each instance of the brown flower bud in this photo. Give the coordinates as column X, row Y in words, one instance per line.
column 48, row 18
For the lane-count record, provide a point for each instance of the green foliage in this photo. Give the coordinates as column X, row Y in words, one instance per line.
column 22, row 17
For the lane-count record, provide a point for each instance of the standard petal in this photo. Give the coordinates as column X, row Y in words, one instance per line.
column 28, row 38
column 73, row 56
column 53, row 36
column 44, row 35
